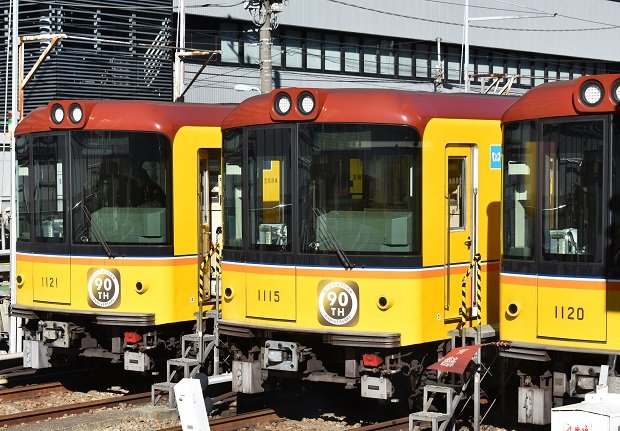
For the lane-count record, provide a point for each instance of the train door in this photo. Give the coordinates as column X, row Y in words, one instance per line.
column 460, row 221
column 210, row 210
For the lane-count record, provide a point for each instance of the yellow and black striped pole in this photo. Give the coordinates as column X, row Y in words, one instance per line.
column 477, row 258
column 463, row 310
column 204, row 294
column 218, row 259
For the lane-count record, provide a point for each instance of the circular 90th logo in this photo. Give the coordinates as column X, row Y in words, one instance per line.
column 338, row 303
column 104, row 288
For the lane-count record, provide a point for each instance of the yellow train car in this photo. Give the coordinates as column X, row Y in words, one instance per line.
column 351, row 218
column 110, row 227
column 559, row 294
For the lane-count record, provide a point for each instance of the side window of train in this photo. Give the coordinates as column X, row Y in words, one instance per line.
column 457, row 196
column 572, row 201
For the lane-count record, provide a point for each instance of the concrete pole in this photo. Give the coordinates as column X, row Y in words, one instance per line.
column 266, row 84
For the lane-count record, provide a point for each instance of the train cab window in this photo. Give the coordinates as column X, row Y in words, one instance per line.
column 270, row 189
column 40, row 189
column 572, row 200
column 48, row 180
column 359, row 189
column 519, row 194
column 121, row 187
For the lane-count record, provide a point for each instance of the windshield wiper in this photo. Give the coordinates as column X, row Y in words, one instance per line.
column 331, row 240
column 96, row 231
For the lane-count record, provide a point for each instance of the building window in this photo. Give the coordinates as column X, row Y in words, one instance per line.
column 276, row 52
column 230, row 43
column 526, row 73
column 370, row 56
column 454, row 65
column 539, row 73
column 421, row 61
column 332, row 52
column 351, row 54
column 387, row 57
column 294, row 51
column 405, row 62
column 313, row 50
column 250, row 46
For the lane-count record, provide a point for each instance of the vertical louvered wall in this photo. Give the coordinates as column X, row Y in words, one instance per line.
column 136, row 67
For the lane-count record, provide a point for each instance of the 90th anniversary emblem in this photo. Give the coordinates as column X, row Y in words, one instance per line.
column 104, row 288
column 338, row 303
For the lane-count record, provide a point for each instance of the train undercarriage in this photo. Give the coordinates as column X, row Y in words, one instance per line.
column 392, row 374
column 54, row 340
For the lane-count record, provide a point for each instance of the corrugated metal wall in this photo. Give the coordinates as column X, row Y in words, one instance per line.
column 115, row 49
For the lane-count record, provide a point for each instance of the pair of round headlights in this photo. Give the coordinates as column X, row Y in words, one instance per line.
column 305, row 103
column 592, row 92
column 76, row 113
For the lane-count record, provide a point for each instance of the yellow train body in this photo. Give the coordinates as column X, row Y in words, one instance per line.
column 411, row 304
column 110, row 268
column 371, row 256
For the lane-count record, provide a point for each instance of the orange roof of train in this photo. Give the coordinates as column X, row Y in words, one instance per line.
column 554, row 99
column 562, row 99
column 135, row 115
column 379, row 106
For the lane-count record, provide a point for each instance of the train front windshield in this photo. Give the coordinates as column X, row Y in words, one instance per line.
column 100, row 186
column 353, row 188
column 567, row 158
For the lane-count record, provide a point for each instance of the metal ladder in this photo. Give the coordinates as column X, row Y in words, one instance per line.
column 437, row 419
column 195, row 348
column 441, row 419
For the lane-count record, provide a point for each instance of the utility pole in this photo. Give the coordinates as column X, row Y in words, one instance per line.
column 265, row 17
column 264, row 57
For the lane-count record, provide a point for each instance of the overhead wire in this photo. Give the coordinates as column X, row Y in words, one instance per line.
column 458, row 24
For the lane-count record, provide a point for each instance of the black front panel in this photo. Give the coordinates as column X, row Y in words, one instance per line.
column 95, row 193
column 352, row 197
column 555, row 196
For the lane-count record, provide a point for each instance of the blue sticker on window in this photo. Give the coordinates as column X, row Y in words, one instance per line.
column 496, row 157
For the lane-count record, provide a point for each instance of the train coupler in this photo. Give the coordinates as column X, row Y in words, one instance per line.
column 281, row 355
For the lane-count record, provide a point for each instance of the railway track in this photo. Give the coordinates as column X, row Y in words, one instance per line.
column 33, row 391
column 236, row 422
column 400, row 424
column 60, row 411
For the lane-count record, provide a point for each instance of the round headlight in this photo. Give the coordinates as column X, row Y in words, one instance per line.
column 57, row 113
column 75, row 113
column 282, row 103
column 592, row 93
column 305, row 103
column 615, row 91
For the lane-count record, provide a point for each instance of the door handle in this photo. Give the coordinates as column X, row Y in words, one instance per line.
column 468, row 242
